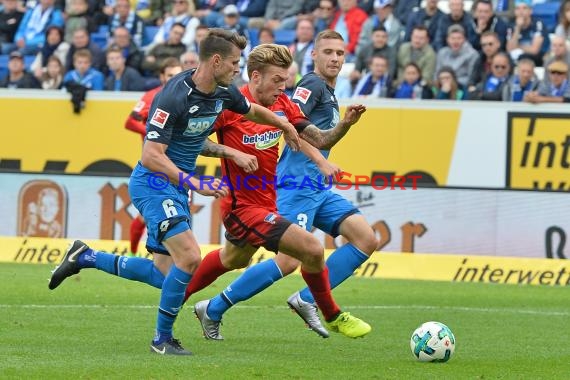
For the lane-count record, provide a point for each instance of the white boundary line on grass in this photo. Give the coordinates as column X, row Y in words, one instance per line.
column 361, row 307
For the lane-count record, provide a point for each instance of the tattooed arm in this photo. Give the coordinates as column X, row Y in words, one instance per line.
column 326, row 139
column 245, row 161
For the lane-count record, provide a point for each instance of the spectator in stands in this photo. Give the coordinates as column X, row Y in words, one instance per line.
column 378, row 46
column 324, row 15
column 31, row 31
column 446, row 86
column 348, row 21
column 302, row 48
column 52, row 77
column 266, row 36
column 10, row 18
column 180, row 15
column 17, row 76
column 527, row 37
column 493, row 83
column 77, row 17
column 522, row 82
column 558, row 52
column 412, row 86
column 563, row 27
column 81, row 40
column 490, row 46
column 189, row 60
column 293, row 77
column 201, row 33
column 124, row 16
column 278, row 10
column 173, row 47
column 207, row 11
column 485, row 21
column 428, row 17
column 158, row 11
column 306, row 13
column 456, row 16
column 382, row 16
column 133, row 55
column 121, row 77
column 83, row 73
column 251, row 10
column 557, row 90
column 54, row 46
column 376, row 83
column 459, row 54
column 418, row 51
column 403, row 9
column 231, row 21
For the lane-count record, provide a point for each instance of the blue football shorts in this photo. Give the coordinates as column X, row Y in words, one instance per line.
column 323, row 209
column 163, row 206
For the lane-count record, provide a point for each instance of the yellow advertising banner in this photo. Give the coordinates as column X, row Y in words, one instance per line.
column 434, row 267
column 539, row 151
column 51, row 138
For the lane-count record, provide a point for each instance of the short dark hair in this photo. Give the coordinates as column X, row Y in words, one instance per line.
column 220, row 41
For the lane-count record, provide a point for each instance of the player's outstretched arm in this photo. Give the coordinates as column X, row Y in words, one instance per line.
column 328, row 138
column 327, row 169
column 262, row 115
column 245, row 161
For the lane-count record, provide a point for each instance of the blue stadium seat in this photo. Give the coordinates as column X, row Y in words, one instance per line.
column 547, row 13
column 148, row 34
column 284, row 36
column 103, row 29
column 100, row 39
column 28, row 60
column 4, row 65
column 253, row 37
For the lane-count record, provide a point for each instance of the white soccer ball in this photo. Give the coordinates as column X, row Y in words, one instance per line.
column 432, row 342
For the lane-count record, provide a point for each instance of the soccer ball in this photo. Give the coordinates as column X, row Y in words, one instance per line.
column 432, row 342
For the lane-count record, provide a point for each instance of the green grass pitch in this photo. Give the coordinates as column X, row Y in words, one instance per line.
column 98, row 326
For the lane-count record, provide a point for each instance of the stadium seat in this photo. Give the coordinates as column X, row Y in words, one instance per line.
column 284, row 36
column 548, row 13
column 148, row 34
column 100, row 39
column 253, row 37
column 4, row 58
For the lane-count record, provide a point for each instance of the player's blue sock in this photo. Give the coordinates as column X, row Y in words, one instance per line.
column 341, row 263
column 171, row 299
column 87, row 259
column 256, row 278
column 131, row 268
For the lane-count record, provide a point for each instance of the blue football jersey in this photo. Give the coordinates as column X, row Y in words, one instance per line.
column 318, row 102
column 182, row 117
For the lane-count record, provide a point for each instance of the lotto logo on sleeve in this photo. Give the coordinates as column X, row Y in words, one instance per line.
column 159, row 118
column 302, row 94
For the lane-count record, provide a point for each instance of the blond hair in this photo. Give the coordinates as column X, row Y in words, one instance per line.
column 268, row 54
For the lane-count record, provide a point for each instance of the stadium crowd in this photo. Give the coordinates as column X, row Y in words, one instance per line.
column 403, row 49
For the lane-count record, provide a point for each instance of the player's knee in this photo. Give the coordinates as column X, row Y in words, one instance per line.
column 314, row 253
column 369, row 243
column 189, row 261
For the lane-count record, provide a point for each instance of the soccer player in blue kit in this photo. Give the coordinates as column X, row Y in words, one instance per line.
column 310, row 205
column 183, row 115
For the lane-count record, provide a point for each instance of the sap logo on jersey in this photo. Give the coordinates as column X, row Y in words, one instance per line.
column 198, row 125
column 262, row 140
